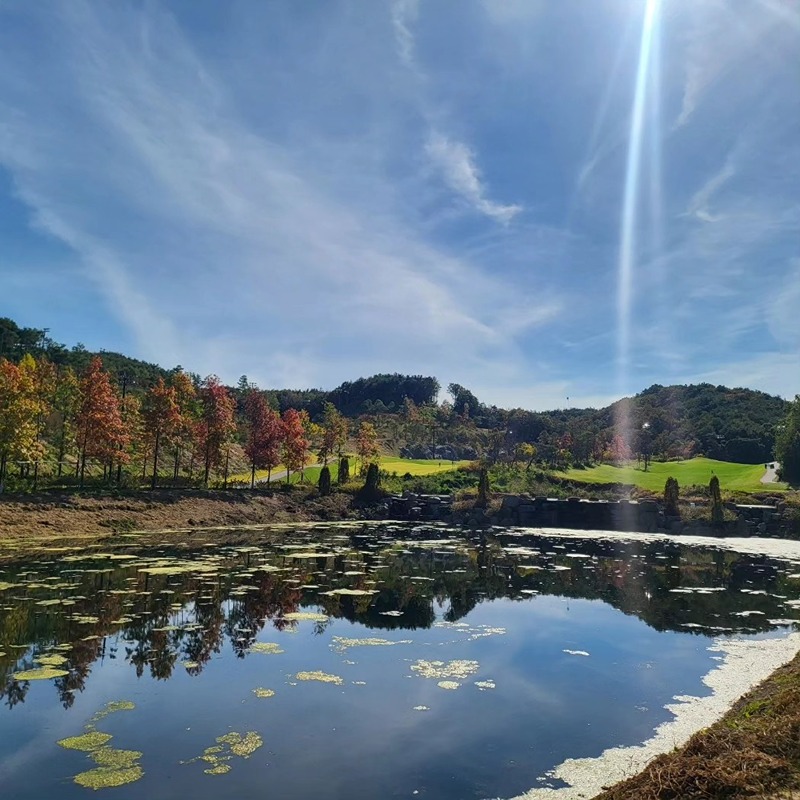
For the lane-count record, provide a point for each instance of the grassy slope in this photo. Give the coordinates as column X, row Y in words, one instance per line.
column 696, row 471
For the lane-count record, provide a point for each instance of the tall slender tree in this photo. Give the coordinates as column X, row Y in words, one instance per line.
column 294, row 442
column 217, row 423
column 367, row 446
column 263, row 435
column 161, row 420
column 100, row 431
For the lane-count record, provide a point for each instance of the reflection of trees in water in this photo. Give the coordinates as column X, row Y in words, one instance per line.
column 415, row 578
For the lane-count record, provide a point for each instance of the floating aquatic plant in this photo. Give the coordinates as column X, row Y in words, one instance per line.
column 443, row 670
column 268, row 648
column 421, row 708
column 108, row 777
column 260, row 692
column 228, row 745
column 311, row 616
column 86, row 742
column 52, row 660
column 316, row 675
column 40, row 674
column 350, row 592
column 484, row 685
column 342, row 643
column 448, row 684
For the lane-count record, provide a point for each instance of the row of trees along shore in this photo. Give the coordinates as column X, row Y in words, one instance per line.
column 74, row 426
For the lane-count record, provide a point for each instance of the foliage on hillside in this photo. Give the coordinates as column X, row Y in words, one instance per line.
column 668, row 422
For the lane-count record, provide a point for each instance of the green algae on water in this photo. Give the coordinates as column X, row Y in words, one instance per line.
column 93, row 740
column 269, row 648
column 40, row 674
column 52, row 660
column 311, row 616
column 317, row 675
column 108, row 777
column 228, row 745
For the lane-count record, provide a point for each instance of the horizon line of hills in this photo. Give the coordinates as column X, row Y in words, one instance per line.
column 736, row 424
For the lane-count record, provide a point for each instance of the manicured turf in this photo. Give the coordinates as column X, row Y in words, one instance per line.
column 696, row 471
column 388, row 463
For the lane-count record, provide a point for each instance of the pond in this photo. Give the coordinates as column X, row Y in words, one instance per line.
column 360, row 661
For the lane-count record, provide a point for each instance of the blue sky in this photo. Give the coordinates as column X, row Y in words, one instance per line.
column 308, row 192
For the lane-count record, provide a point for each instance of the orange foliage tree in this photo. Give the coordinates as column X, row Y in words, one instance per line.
column 100, row 430
column 161, row 419
column 217, row 423
column 294, row 442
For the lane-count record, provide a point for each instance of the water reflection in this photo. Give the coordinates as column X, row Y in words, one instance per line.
column 161, row 611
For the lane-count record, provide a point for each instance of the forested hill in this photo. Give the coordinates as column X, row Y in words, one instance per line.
column 678, row 421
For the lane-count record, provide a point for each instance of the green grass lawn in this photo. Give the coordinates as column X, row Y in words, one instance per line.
column 388, row 463
column 696, row 471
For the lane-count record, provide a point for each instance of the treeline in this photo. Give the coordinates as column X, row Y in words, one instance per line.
column 378, row 394
column 74, row 424
column 665, row 422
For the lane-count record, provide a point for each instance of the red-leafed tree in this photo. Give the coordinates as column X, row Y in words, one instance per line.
column 217, row 423
column 294, row 443
column 162, row 419
column 263, row 435
column 100, row 430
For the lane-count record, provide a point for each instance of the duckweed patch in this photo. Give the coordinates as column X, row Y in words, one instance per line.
column 86, row 742
column 445, row 670
column 448, row 684
column 40, row 674
column 108, row 777
column 311, row 616
column 267, row 648
column 261, row 692
column 317, row 675
column 228, row 745
column 342, row 643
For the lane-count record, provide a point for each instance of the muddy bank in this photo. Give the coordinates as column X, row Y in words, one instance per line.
column 43, row 523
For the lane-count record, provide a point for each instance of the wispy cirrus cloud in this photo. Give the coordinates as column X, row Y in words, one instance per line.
column 459, row 169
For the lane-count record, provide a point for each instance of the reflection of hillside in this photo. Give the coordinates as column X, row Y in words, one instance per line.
column 161, row 613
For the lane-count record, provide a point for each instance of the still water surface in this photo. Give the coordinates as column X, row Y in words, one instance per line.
column 359, row 661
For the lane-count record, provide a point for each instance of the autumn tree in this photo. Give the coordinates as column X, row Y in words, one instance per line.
column 526, row 452
column 334, row 434
column 313, row 434
column 188, row 413
column 367, row 446
column 65, row 402
column 100, row 431
column 216, row 424
column 161, row 416
column 17, row 417
column 263, row 435
column 294, row 442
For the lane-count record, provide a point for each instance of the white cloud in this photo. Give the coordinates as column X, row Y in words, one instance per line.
column 404, row 14
column 699, row 204
column 457, row 163
column 210, row 239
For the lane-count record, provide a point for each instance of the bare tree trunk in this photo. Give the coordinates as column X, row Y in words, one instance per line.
column 83, row 463
column 253, row 476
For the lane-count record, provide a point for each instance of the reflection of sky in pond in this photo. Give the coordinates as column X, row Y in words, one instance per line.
column 504, row 606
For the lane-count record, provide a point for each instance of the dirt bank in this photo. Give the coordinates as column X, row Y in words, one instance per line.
column 41, row 523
